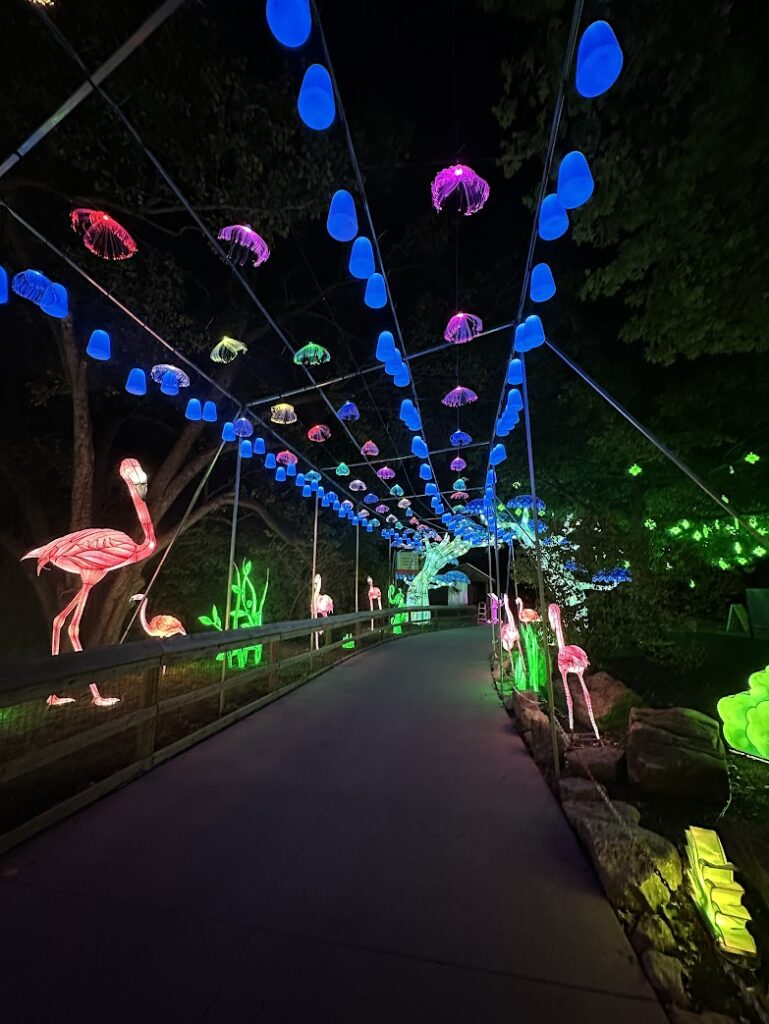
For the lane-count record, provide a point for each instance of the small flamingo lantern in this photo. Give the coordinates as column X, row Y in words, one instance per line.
column 571, row 659
column 374, row 594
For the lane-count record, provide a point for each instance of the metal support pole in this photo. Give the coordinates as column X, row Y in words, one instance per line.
column 357, row 567
column 314, row 636
column 233, row 538
column 499, row 595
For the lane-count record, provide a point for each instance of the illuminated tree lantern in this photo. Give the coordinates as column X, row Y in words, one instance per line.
column 425, row 473
column 385, row 473
column 553, row 219
column 283, row 413
column 348, row 412
column 457, row 464
column 136, row 382
column 342, row 469
column 58, row 305
column 33, row 286
column 458, row 397
column 226, row 350
column 357, row 485
column 286, row 458
column 246, row 449
column 462, row 327
column 419, row 448
column 369, row 449
column 385, row 347
column 382, row 509
column 497, row 454
column 102, row 235
column 575, row 182
column 99, row 347
column 542, row 284
column 210, row 413
column 319, row 433
column 361, row 264
column 228, row 432
column 342, row 220
column 312, row 355
column 599, row 60
column 270, row 462
column 316, row 99
column 243, row 427
column 470, row 187
column 244, row 244
column 397, row 491
column 460, row 439
column 193, row 411
column 375, row 295
column 289, row 21
column 515, row 372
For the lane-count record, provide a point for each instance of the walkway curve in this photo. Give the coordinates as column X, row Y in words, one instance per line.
column 376, row 847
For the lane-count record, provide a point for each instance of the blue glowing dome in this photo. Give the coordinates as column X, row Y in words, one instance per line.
column 269, row 462
column 385, row 346
column 402, row 377
column 459, row 439
column 542, row 283
column 514, row 400
column 431, row 488
column 193, row 411
column 32, row 285
column 376, row 293
column 169, row 384
column 291, row 469
column 210, row 415
column 290, row 21
column 342, row 221
column 228, row 432
column 3, row 286
column 348, row 412
column 56, row 304
column 515, row 372
column 419, row 448
column 535, row 332
column 259, row 446
column 599, row 60
column 280, row 474
column 361, row 263
column 316, row 99
column 498, row 454
column 553, row 219
column 575, row 182
column 246, row 449
column 425, row 473
column 243, row 427
column 136, row 382
column 99, row 347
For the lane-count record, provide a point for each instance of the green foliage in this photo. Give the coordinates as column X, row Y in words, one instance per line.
column 396, row 599
column 746, row 716
column 246, row 612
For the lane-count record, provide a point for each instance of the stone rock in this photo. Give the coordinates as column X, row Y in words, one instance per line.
column 577, row 810
column 651, row 932
column 679, row 1016
column 580, row 789
column 676, row 752
column 604, row 764
column 539, row 737
column 611, row 701
column 666, row 976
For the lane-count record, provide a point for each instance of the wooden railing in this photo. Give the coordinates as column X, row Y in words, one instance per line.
column 173, row 693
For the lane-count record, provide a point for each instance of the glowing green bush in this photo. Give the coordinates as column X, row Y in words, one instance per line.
column 246, row 612
column 746, row 716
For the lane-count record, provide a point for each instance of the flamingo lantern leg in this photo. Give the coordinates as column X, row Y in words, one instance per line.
column 374, row 594
column 510, row 637
column 91, row 554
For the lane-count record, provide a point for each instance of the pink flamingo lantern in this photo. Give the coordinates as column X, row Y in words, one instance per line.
column 374, row 594
column 510, row 637
column 161, row 626
column 91, row 554
column 571, row 659
column 321, row 605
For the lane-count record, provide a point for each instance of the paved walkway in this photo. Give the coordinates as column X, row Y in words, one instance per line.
column 376, row 847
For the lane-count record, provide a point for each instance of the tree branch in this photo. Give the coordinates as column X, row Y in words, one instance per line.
column 225, row 500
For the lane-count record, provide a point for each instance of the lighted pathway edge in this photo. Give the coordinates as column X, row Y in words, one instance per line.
column 377, row 846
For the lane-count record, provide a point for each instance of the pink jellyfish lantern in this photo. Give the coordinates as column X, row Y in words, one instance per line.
column 245, row 244
column 473, row 190
column 286, row 458
column 385, row 473
column 369, row 449
column 458, row 464
column 459, row 396
column 102, row 235
column 462, row 327
column 459, row 496
column 319, row 433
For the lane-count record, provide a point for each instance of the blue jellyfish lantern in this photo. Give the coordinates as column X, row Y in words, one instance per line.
column 290, row 21
column 3, row 286
column 193, row 411
column 316, row 99
column 32, row 285
column 376, row 293
column 361, row 263
column 243, row 427
column 553, row 219
column 385, row 346
column 269, row 462
column 575, row 182
column 136, row 382
column 342, row 221
column 56, row 304
column 542, row 283
column 99, row 348
column 515, row 372
column 460, row 439
column 498, row 454
column 348, row 412
column 599, row 60
column 419, row 448
column 228, row 432
column 210, row 414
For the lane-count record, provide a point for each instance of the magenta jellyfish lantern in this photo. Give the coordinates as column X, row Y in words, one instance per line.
column 458, row 464
column 472, row 189
column 459, row 396
column 102, row 235
column 286, row 458
column 459, row 496
column 319, row 433
column 357, row 485
column 369, row 449
column 462, row 327
column 385, row 473
column 245, row 244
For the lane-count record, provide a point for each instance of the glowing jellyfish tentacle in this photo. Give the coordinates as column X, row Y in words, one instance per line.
column 472, row 188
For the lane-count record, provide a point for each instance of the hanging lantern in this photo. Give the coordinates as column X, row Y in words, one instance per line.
column 102, row 235
column 312, row 355
column 357, row 485
column 99, row 347
column 228, row 432
column 459, row 439
column 462, row 327
column 382, row 509
column 553, row 219
column 319, row 433
column 316, row 99
column 210, row 414
column 459, row 396
column 342, row 469
column 459, row 496
column 270, row 462
column 244, row 244
column 542, row 283
column 34, row 286
column 402, row 377
column 226, row 350
column 193, row 412
column 348, row 412
column 369, row 449
column 419, row 448
column 371, row 499
column 136, row 383
column 286, row 458
column 471, row 188
column 259, row 446
column 396, row 490
column 246, row 449
column 283, row 413
column 385, row 346
column 459, row 484
column 375, row 296
column 56, row 305
column 458, row 464
column 291, row 469
column 159, row 371
column 599, row 60
column 385, row 473
column 497, row 454
column 575, row 182
column 342, row 220
column 361, row 264
column 169, row 385
column 280, row 474
column 243, row 427
column 515, row 372
column 425, row 473
column 290, row 21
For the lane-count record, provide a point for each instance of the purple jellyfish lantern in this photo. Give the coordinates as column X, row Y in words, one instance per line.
column 245, row 244
column 462, row 327
column 473, row 190
column 459, row 396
